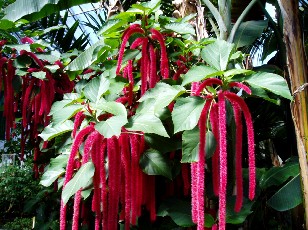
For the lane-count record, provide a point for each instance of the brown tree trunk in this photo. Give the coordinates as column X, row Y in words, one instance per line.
column 297, row 66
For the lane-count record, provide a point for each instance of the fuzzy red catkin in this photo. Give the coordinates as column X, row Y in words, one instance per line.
column 241, row 86
column 194, row 190
column 144, row 66
column 131, row 82
column 153, row 70
column 164, row 66
column 79, row 117
column 136, row 43
column 102, row 171
column 222, row 160
column 194, row 87
column 124, row 139
column 131, row 30
column 134, row 144
column 69, row 168
column 34, row 57
column 238, row 157
column 87, row 148
column 180, row 71
column 3, row 60
column 215, row 157
column 114, row 193
column 208, row 82
column 232, row 97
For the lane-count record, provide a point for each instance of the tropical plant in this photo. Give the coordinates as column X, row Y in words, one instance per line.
column 149, row 101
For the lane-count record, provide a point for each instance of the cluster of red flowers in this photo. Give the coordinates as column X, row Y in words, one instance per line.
column 35, row 100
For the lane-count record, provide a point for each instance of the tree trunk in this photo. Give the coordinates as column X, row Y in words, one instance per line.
column 297, row 66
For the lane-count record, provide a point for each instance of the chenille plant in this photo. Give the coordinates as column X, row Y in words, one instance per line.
column 148, row 103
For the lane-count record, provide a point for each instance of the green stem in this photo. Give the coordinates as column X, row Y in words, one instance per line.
column 224, row 7
column 217, row 16
column 239, row 20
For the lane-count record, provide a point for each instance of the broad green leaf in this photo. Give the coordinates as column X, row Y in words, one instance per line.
column 66, row 113
column 51, row 175
column 52, row 131
column 217, row 54
column 112, row 107
column 58, row 105
column 260, row 92
column 233, row 72
column 147, row 7
column 198, row 73
column 153, row 162
column 111, row 26
column 162, row 144
column 163, row 94
column 248, row 32
column 271, row 82
column 20, row 47
column 233, row 217
column 54, row 170
column 96, row 88
column 178, row 210
column 210, row 144
column 190, row 145
column 40, row 75
column 6, row 24
column 147, row 123
column 36, row 9
column 80, row 180
column 288, row 197
column 86, row 58
column 52, row 68
column 112, row 126
column 186, row 113
column 181, row 28
column 278, row 175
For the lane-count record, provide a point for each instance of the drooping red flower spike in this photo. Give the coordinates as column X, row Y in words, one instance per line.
column 241, row 86
column 164, row 66
column 215, row 158
column 222, row 160
column 135, row 28
column 86, row 154
column 238, row 157
column 233, row 98
column 208, row 82
column 79, row 117
column 70, row 168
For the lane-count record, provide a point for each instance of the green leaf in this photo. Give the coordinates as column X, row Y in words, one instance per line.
column 66, row 113
column 6, row 24
column 80, row 180
column 153, row 162
column 210, row 146
column 112, row 107
column 54, row 170
column 248, row 32
column 190, row 145
column 233, row 72
column 288, row 197
column 178, row 210
column 271, row 82
column 112, row 126
column 86, row 58
column 58, row 105
column 186, row 113
column 52, row 131
column 147, row 123
column 217, row 54
column 40, row 75
column 278, row 175
column 181, row 28
column 233, row 217
column 110, row 26
column 96, row 88
column 198, row 73
column 163, row 94
column 162, row 144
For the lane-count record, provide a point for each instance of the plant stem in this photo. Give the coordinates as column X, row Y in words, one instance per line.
column 239, row 20
column 224, row 7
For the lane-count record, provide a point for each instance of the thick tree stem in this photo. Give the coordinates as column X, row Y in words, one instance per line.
column 297, row 66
